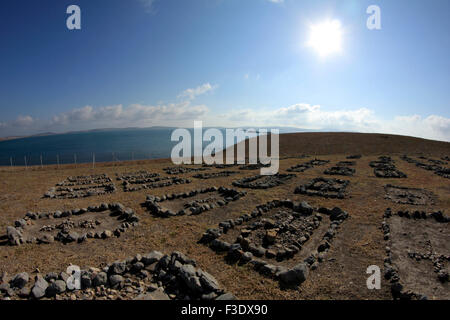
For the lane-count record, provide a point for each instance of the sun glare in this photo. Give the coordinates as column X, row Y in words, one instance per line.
column 326, row 37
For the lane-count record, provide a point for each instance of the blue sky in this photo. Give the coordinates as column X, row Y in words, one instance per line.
column 226, row 62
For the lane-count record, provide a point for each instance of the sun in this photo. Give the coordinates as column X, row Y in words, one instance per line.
column 326, row 37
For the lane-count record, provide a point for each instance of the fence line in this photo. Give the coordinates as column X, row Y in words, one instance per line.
column 40, row 160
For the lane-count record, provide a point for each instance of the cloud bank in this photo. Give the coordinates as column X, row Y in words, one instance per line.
column 183, row 112
column 314, row 117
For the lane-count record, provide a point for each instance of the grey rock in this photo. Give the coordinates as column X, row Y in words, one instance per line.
column 72, row 236
column 118, row 267
column 151, row 258
column 101, row 279
column 226, row 296
column 208, row 282
column 46, row 239
column 14, row 236
column 158, row 294
column 20, row 280
column 39, row 288
column 56, row 287
column 188, row 275
column 51, row 276
column 296, row 275
column 116, row 281
column 24, row 292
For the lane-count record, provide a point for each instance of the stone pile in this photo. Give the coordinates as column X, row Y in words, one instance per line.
column 18, row 234
column 323, row 187
column 153, row 276
column 354, row 156
column 195, row 207
column 243, row 251
column 263, row 182
column 385, row 168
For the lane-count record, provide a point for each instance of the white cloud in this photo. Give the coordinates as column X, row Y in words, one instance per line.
column 276, row 1
column 313, row 117
column 301, row 115
column 194, row 92
column 21, row 121
column 132, row 115
column 135, row 115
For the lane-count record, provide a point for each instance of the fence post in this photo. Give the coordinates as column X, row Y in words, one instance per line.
column 41, row 162
column 10, row 160
column 93, row 160
column 57, row 160
column 132, row 156
column 26, row 166
column 75, row 159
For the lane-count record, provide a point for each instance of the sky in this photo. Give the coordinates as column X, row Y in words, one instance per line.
column 229, row 63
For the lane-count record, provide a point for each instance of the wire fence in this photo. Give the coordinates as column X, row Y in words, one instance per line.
column 41, row 160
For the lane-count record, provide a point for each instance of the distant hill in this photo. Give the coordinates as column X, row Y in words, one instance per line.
column 325, row 143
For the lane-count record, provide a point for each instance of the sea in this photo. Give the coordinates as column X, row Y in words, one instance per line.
column 101, row 145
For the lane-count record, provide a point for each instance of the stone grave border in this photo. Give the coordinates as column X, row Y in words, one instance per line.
column 398, row 291
column 15, row 233
column 252, row 182
column 290, row 277
column 435, row 168
column 308, row 165
column 212, row 175
column 340, row 171
column 430, row 194
column 152, row 203
column 305, row 188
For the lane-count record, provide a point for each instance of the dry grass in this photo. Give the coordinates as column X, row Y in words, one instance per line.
column 358, row 244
